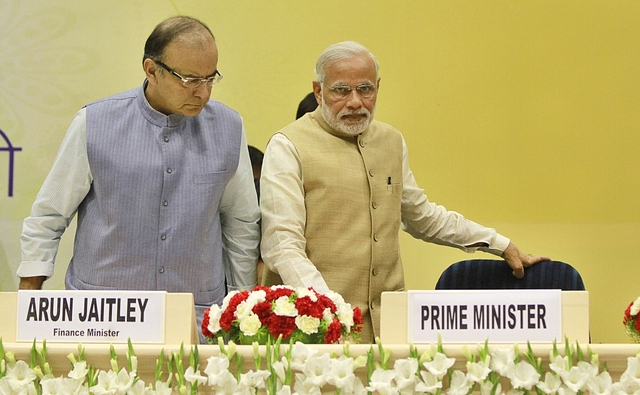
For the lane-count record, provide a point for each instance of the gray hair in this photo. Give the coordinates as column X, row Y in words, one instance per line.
column 342, row 51
column 168, row 30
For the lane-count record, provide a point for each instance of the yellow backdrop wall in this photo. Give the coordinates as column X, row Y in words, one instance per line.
column 521, row 115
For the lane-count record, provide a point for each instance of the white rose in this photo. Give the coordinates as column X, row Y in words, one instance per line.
column 302, row 292
column 250, row 325
column 635, row 307
column 307, row 324
column 285, row 308
column 244, row 309
column 215, row 312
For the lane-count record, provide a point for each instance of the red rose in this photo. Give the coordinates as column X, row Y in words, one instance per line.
column 627, row 314
column 280, row 325
column 205, row 325
column 326, row 302
column 278, row 292
column 357, row 320
column 263, row 311
column 306, row 306
column 333, row 332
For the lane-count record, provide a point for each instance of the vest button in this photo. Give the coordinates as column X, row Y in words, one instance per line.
column 374, row 271
column 375, row 237
column 361, row 142
column 166, row 139
column 169, row 170
column 371, row 173
column 165, row 203
column 161, row 270
column 374, row 205
column 163, row 237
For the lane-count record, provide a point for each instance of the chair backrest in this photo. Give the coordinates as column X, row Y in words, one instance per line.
column 496, row 274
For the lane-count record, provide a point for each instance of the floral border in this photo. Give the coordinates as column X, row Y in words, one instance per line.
column 301, row 369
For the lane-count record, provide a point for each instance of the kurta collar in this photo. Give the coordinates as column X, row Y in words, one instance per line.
column 155, row 117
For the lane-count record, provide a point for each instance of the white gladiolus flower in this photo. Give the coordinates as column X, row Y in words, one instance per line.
column 284, row 307
column 486, row 388
column 307, row 324
column 630, row 379
column 299, row 355
column 216, row 369
column 341, row 373
column 20, row 375
column 405, row 373
column 551, row 383
column 104, row 386
column 301, row 386
column 502, row 360
column 79, row 370
column 523, row 375
column 459, row 385
column 138, row 388
column 316, row 370
column 439, row 365
column 430, row 383
column 193, row 376
column 559, row 364
column 381, row 381
column 477, row 371
column 574, row 379
column 600, row 384
column 255, row 379
column 163, row 389
column 250, row 324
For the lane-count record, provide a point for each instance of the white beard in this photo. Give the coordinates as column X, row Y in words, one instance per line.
column 351, row 129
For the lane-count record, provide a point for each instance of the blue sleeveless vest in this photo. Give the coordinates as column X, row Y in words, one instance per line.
column 150, row 220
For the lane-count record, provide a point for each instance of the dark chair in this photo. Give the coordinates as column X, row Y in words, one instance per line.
column 496, row 274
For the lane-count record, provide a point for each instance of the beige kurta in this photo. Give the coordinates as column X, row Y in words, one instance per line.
column 353, row 191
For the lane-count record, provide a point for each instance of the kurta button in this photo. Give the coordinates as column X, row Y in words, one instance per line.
column 163, row 237
column 166, row 139
column 169, row 170
column 375, row 237
column 161, row 270
column 165, row 203
column 361, row 142
column 374, row 205
column 371, row 173
column 374, row 271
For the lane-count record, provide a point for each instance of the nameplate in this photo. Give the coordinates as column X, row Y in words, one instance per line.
column 91, row 316
column 472, row 316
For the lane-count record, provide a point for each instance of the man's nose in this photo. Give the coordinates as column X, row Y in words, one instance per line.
column 354, row 100
column 203, row 91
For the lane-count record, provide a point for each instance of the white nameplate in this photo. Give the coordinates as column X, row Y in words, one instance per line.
column 472, row 316
column 91, row 316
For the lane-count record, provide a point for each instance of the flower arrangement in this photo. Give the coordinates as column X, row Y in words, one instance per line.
column 301, row 369
column 631, row 320
column 292, row 314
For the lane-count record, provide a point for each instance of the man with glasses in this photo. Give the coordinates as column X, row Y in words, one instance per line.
column 161, row 180
column 336, row 188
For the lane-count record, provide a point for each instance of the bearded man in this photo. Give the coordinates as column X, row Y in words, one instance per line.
column 336, row 188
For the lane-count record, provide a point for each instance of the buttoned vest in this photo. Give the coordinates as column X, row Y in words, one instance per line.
column 150, row 220
column 353, row 191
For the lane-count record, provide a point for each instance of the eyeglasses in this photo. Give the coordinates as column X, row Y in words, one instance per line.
column 340, row 91
column 193, row 83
